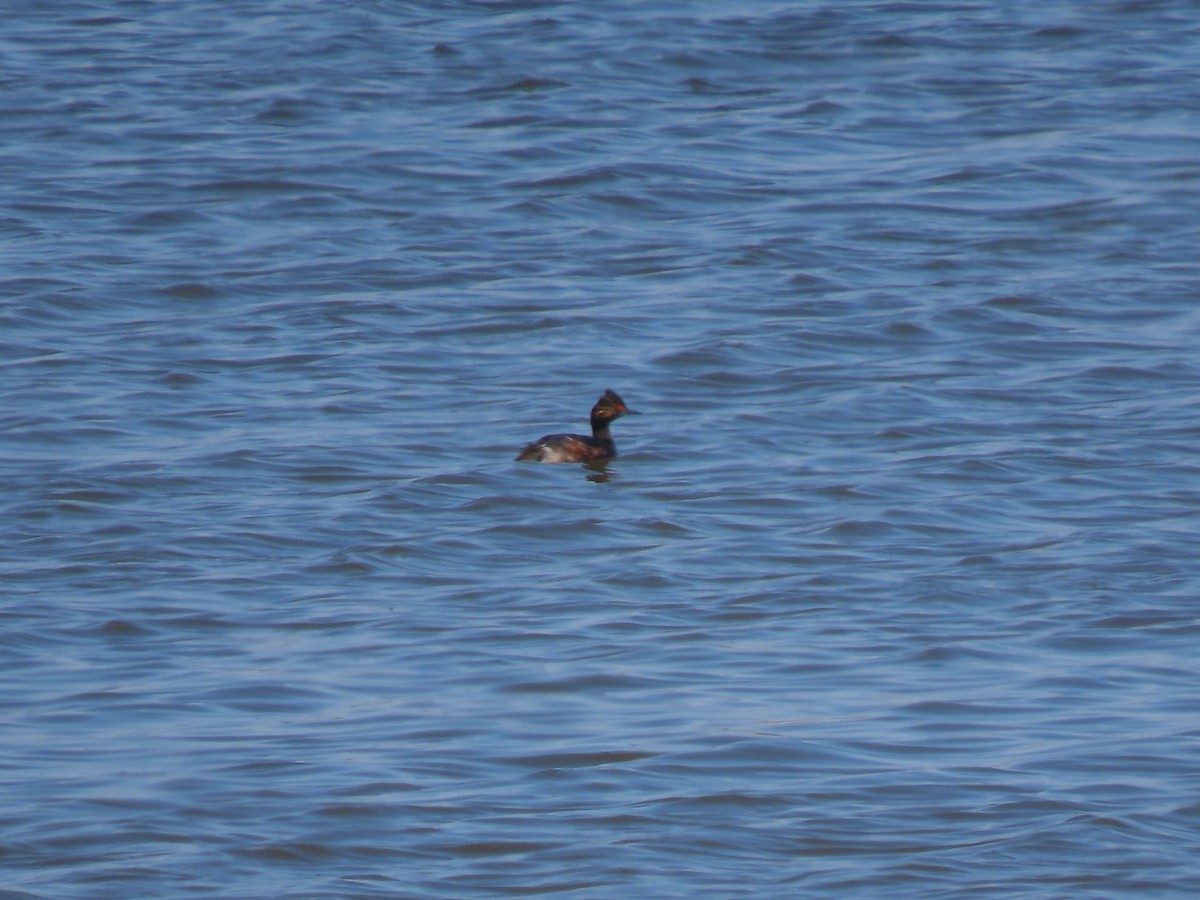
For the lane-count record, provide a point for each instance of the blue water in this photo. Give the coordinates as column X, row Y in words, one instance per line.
column 892, row 591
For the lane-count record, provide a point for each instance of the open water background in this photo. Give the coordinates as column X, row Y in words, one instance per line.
column 893, row 591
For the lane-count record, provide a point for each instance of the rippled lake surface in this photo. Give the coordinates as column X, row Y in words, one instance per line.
column 893, row 590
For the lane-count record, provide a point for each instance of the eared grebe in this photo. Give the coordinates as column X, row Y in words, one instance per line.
column 560, row 448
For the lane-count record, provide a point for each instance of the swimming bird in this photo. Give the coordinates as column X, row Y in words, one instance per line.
column 560, row 448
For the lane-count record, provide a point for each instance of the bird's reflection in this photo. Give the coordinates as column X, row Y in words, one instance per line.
column 599, row 471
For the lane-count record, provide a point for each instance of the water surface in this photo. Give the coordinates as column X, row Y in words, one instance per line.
column 891, row 592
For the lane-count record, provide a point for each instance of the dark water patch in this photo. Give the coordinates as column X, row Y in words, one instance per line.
column 285, row 111
column 119, row 628
column 506, row 122
column 161, row 219
column 191, row 291
column 248, row 187
column 498, row 848
column 289, row 852
column 584, row 684
column 521, row 86
column 1060, row 32
column 580, row 760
